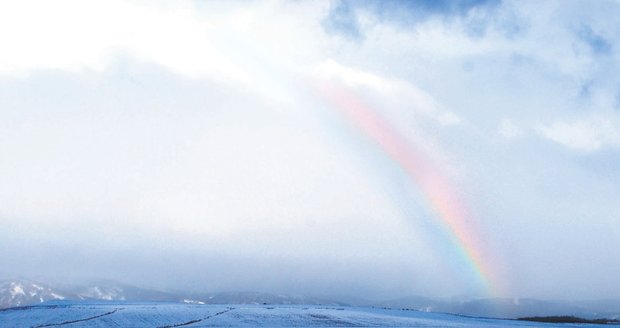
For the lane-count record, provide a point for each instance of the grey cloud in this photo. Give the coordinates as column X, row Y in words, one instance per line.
column 598, row 44
column 343, row 14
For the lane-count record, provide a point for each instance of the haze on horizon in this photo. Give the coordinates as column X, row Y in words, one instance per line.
column 204, row 145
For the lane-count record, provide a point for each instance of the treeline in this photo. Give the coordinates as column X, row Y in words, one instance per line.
column 571, row 319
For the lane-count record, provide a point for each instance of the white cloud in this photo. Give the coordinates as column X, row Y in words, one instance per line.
column 509, row 130
column 586, row 135
column 398, row 95
column 213, row 41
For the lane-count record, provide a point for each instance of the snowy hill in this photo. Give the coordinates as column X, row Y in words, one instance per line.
column 127, row 314
column 114, row 291
column 21, row 292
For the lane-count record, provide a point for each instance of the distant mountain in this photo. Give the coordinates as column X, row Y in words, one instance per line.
column 24, row 292
column 115, row 291
column 262, row 298
column 21, row 292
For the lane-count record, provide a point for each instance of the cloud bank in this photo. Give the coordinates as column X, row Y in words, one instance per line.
column 186, row 142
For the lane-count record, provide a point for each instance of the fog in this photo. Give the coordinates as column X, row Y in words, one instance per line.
column 466, row 149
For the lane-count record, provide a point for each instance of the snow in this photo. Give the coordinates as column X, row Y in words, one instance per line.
column 58, row 297
column 17, row 290
column 16, row 293
column 147, row 314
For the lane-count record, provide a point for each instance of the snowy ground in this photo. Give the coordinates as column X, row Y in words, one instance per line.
column 132, row 314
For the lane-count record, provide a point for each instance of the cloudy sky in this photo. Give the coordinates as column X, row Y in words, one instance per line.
column 368, row 148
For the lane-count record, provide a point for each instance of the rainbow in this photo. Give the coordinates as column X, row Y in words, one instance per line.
column 440, row 194
column 451, row 212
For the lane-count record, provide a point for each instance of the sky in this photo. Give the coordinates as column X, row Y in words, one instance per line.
column 375, row 149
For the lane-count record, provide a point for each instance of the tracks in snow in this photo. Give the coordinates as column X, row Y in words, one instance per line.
column 79, row 320
column 197, row 320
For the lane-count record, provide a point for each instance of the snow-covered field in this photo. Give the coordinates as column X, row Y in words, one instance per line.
column 135, row 314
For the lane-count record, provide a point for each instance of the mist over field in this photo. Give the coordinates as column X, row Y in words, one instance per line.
column 365, row 149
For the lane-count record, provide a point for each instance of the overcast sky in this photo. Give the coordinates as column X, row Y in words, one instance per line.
column 195, row 144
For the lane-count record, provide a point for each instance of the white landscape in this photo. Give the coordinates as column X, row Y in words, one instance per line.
column 109, row 304
column 145, row 314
